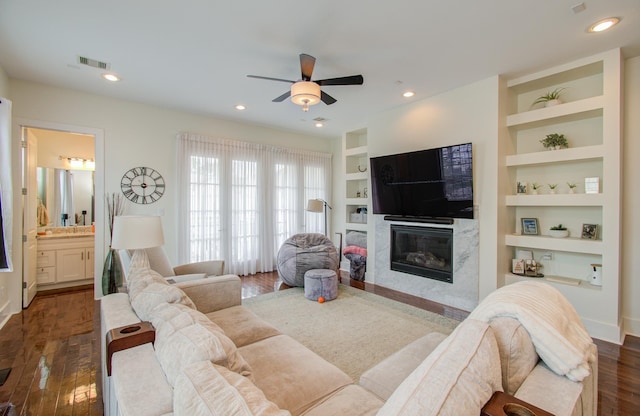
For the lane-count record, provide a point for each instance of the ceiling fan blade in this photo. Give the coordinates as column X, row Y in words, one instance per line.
column 351, row 80
column 326, row 98
column 282, row 97
column 272, row 79
column 307, row 63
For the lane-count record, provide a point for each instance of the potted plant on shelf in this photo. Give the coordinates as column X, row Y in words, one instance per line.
column 572, row 187
column 534, row 188
column 558, row 231
column 554, row 141
column 552, row 188
column 551, row 98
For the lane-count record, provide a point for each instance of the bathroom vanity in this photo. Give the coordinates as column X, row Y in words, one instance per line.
column 64, row 260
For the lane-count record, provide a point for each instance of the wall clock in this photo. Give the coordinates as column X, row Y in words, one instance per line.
column 142, row 185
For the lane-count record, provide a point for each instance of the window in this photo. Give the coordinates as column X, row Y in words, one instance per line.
column 240, row 201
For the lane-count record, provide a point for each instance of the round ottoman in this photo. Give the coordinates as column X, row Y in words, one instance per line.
column 303, row 252
column 320, row 282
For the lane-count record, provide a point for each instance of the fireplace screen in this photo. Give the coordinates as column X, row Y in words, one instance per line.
column 423, row 251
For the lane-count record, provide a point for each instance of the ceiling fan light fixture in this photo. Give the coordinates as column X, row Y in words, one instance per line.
column 305, row 93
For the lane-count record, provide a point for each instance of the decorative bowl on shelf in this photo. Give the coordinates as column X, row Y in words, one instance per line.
column 559, row 233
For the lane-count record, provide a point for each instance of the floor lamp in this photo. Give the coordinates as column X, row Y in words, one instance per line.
column 319, row 205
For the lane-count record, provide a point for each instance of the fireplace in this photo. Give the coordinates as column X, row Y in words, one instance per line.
column 422, row 251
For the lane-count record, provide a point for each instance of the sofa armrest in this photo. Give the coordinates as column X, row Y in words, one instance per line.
column 214, row 292
column 210, row 268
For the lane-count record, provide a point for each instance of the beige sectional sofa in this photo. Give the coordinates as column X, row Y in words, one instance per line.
column 214, row 356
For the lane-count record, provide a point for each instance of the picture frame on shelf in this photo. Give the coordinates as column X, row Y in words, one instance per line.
column 521, row 188
column 592, row 185
column 517, row 266
column 530, row 268
column 529, row 226
column 589, row 231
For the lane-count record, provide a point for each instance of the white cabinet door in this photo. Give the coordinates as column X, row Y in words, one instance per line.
column 70, row 264
column 89, row 264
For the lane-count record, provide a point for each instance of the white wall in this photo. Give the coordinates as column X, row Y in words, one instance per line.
column 4, row 277
column 631, row 199
column 4, row 83
column 141, row 135
column 466, row 114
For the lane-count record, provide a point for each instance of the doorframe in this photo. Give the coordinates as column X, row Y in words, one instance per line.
column 99, row 180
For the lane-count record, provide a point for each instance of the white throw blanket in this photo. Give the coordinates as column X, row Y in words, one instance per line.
column 556, row 330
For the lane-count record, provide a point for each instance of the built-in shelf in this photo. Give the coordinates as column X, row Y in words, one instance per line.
column 356, row 201
column 358, row 176
column 356, row 151
column 555, row 200
column 560, row 110
column 567, row 281
column 556, row 156
column 574, row 245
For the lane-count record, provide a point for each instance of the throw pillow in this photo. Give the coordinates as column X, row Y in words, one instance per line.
column 457, row 378
column 207, row 389
column 518, row 356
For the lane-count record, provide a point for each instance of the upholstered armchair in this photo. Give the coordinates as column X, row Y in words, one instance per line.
column 159, row 261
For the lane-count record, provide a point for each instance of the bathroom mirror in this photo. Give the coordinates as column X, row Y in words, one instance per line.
column 65, row 197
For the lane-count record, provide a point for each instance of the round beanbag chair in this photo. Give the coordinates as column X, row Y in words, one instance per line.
column 303, row 252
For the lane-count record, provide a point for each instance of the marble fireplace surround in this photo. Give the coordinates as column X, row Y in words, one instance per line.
column 462, row 293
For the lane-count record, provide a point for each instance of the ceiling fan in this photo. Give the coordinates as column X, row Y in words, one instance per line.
column 306, row 92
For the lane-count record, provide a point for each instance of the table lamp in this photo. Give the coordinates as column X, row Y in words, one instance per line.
column 137, row 232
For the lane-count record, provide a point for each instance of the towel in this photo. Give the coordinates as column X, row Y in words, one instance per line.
column 556, row 330
column 43, row 214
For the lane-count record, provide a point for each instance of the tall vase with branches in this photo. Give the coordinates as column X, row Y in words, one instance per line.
column 112, row 272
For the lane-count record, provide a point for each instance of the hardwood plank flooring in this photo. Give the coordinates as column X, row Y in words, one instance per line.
column 54, row 352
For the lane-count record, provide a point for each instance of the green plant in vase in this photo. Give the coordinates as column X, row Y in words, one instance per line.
column 558, row 231
column 552, row 187
column 572, row 187
column 535, row 187
column 550, row 98
column 554, row 141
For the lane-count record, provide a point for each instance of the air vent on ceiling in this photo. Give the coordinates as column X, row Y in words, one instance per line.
column 320, row 119
column 93, row 63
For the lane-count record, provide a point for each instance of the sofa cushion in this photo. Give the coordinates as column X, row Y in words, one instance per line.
column 457, row 378
column 291, row 375
column 352, row 400
column 170, row 319
column 141, row 277
column 242, row 325
column 517, row 354
column 385, row 377
column 206, row 389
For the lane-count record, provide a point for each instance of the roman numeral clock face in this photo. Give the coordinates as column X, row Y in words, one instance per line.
column 142, row 185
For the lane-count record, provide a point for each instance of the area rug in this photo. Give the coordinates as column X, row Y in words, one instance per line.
column 355, row 331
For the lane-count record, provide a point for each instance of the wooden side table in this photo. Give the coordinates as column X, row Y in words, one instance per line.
column 128, row 336
column 503, row 404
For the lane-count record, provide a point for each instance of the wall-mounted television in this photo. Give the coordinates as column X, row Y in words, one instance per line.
column 432, row 183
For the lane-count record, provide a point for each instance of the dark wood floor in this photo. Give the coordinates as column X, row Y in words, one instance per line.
column 54, row 353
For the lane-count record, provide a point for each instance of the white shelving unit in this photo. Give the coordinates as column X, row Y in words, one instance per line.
column 590, row 118
column 357, row 185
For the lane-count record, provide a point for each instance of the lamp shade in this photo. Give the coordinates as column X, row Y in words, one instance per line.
column 315, row 205
column 136, row 232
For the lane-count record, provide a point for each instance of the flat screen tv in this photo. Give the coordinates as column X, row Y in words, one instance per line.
column 432, row 183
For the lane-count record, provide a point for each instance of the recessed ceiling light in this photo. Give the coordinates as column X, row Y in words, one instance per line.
column 408, row 94
column 240, row 107
column 111, row 77
column 319, row 124
column 604, row 24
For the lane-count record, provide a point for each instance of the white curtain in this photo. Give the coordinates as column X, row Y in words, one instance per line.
column 64, row 203
column 6, row 199
column 239, row 201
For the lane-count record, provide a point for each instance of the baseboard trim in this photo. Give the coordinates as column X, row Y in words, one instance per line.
column 604, row 331
column 631, row 326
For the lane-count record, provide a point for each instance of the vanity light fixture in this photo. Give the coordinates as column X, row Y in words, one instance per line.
column 78, row 162
column 603, row 24
column 111, row 77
